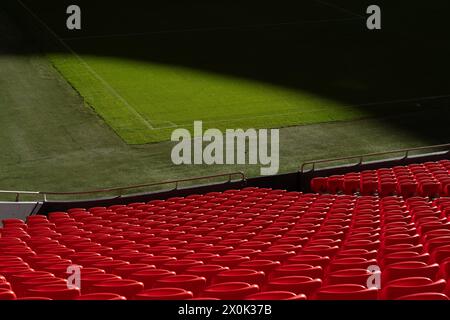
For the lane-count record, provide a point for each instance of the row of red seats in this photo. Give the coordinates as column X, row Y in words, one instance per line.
column 431, row 179
column 239, row 244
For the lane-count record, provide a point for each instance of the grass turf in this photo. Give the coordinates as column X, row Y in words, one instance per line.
column 305, row 63
column 266, row 67
column 144, row 99
column 145, row 102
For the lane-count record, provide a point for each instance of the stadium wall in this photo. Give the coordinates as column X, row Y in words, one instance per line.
column 18, row 210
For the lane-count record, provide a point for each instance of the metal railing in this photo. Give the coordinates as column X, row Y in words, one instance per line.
column 20, row 193
column 121, row 190
column 363, row 156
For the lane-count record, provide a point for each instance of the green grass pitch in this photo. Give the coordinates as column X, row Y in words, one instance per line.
column 229, row 75
column 296, row 64
column 145, row 102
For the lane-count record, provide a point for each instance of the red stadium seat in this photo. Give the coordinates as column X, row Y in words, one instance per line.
column 346, row 292
column 149, row 276
column 55, row 292
column 424, row 296
column 100, row 296
column 335, row 184
column 192, row 283
column 276, row 295
column 88, row 281
column 348, row 276
column 6, row 294
column 261, row 265
column 164, row 294
column 412, row 285
column 319, row 184
column 297, row 284
column 297, row 269
column 124, row 287
column 231, row 290
column 240, row 275
column 409, row 269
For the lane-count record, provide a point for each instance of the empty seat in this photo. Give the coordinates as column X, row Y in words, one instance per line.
column 55, row 292
column 241, row 275
column 88, row 281
column 429, row 188
column 164, row 294
column 297, row 269
column 405, row 256
column 297, row 284
column 149, row 276
column 261, row 265
column 319, row 184
column 126, row 270
column 6, row 294
column 311, row 259
column 412, row 285
column 182, row 264
column 346, row 292
column 348, row 276
column 100, row 296
column 230, row 260
column 192, row 283
column 351, row 262
column 276, row 295
column 124, row 287
column 231, row 290
column 409, row 269
column 424, row 296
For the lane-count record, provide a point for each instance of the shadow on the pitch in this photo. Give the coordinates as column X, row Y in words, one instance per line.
column 302, row 45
